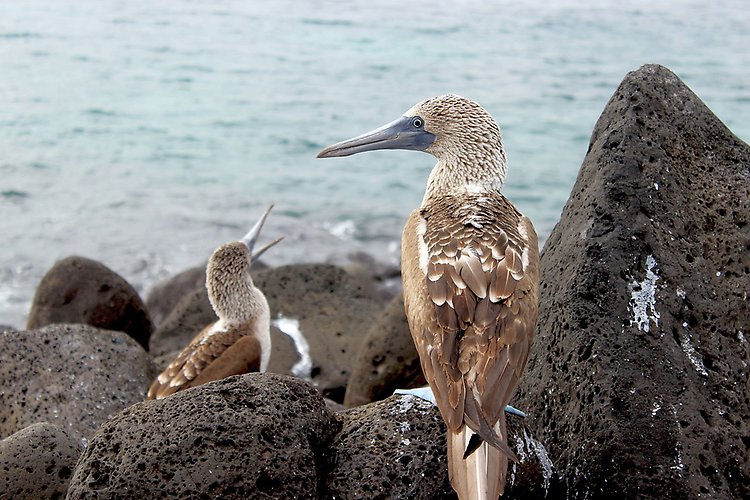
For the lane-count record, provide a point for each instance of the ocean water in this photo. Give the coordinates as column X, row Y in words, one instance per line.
column 144, row 134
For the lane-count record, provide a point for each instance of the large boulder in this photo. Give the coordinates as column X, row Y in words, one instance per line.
column 247, row 436
column 327, row 311
column 639, row 370
column 187, row 318
column 37, row 462
column 387, row 359
column 164, row 296
column 73, row 376
column 320, row 315
column 385, row 276
column 80, row 290
column 396, row 448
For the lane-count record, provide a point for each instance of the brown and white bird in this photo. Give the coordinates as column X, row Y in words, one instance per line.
column 470, row 268
column 240, row 341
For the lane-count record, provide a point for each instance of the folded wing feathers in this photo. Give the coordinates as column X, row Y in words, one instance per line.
column 472, row 274
column 191, row 361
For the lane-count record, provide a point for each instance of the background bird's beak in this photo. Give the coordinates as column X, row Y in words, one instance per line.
column 251, row 237
column 399, row 134
column 265, row 247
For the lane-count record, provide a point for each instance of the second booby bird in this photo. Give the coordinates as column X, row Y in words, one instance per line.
column 470, row 269
column 240, row 341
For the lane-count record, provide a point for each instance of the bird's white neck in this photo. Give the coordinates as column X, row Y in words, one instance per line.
column 237, row 301
column 477, row 170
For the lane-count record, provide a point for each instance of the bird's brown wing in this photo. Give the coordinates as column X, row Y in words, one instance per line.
column 474, row 320
column 189, row 367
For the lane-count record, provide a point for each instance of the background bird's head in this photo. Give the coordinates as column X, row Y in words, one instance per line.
column 228, row 281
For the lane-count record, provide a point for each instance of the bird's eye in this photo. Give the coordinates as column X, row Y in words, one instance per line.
column 417, row 122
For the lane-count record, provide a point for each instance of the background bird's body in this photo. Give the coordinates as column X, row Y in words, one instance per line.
column 240, row 340
column 470, row 269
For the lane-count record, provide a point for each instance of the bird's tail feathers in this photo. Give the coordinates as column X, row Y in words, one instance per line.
column 494, row 435
column 480, row 476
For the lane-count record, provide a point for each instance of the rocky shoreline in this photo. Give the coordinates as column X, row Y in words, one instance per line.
column 637, row 384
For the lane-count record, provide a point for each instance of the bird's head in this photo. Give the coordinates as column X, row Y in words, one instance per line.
column 228, row 280
column 445, row 126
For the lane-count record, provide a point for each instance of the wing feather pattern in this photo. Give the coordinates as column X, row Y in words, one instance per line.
column 472, row 310
column 213, row 342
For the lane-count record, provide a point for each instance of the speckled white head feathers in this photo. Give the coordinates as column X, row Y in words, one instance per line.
column 458, row 124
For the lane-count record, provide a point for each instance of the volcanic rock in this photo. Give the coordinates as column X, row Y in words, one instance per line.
column 328, row 312
column 396, row 448
column 164, row 296
column 73, row 376
column 80, row 290
column 387, row 359
column 37, row 462
column 385, row 277
column 191, row 314
column 247, row 436
column 639, row 370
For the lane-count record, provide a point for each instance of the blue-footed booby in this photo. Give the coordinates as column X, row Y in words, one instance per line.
column 240, row 341
column 470, row 268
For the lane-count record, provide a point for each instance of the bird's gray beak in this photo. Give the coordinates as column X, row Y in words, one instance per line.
column 251, row 237
column 399, row 134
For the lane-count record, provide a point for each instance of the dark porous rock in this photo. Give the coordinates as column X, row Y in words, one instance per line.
column 387, row 359
column 639, row 371
column 390, row 449
column 162, row 362
column 37, row 462
column 385, row 277
column 74, row 376
column 246, row 436
column 191, row 315
column 330, row 309
column 396, row 448
column 164, row 296
column 80, row 290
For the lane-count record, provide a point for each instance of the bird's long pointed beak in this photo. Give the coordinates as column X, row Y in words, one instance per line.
column 252, row 236
column 265, row 247
column 399, row 134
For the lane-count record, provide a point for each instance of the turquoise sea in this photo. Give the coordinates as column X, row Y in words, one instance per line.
column 144, row 134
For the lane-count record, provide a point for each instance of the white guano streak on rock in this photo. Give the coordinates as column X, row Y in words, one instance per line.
column 679, row 464
column 691, row 353
column 408, row 402
column 303, row 367
column 528, row 445
column 643, row 298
